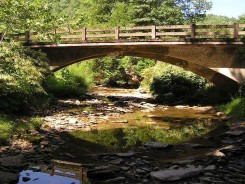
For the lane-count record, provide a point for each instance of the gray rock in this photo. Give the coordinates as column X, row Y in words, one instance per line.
column 125, row 168
column 206, row 179
column 69, row 155
column 174, row 167
column 140, row 171
column 125, row 155
column 115, row 180
column 235, row 132
column 25, row 178
column 184, row 162
column 101, row 174
column 210, row 168
column 117, row 161
column 13, row 161
column 35, row 168
column 157, row 145
column 175, row 174
column 7, row 177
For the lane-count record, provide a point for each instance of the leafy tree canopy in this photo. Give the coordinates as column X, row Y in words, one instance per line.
column 96, row 13
column 242, row 19
column 211, row 19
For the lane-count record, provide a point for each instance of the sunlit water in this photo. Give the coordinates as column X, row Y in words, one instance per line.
column 44, row 178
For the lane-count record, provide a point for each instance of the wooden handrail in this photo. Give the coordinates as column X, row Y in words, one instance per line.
column 233, row 31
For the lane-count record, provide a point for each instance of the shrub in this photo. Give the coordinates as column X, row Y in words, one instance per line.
column 235, row 108
column 22, row 72
column 6, row 129
column 66, row 84
column 164, row 78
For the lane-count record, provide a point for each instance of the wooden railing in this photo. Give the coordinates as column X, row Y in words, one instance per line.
column 142, row 33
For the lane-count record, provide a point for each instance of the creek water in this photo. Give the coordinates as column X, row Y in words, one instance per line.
column 31, row 177
column 134, row 127
column 170, row 125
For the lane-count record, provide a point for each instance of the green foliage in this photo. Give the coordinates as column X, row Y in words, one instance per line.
column 211, row 19
column 22, row 73
column 109, row 71
column 241, row 19
column 6, row 129
column 97, row 13
column 72, row 81
column 18, row 16
column 156, row 12
column 14, row 126
column 67, row 9
column 13, row 12
column 119, row 71
column 235, row 108
column 164, row 78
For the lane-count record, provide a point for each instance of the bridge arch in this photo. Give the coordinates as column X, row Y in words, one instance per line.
column 207, row 60
column 221, row 81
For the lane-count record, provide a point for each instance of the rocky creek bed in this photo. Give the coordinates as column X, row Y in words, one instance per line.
column 215, row 157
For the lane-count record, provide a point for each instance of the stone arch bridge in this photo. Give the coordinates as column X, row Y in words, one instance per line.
column 215, row 52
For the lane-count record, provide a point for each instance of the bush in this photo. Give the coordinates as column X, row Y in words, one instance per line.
column 22, row 72
column 66, row 83
column 10, row 126
column 165, row 78
column 6, row 129
column 235, row 108
column 120, row 71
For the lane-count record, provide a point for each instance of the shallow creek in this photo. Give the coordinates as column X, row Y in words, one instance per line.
column 120, row 121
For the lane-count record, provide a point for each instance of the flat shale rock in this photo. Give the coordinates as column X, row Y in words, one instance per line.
column 126, row 155
column 235, row 132
column 12, row 161
column 175, row 174
column 7, row 177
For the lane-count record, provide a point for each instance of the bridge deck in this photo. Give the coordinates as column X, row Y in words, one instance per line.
column 177, row 34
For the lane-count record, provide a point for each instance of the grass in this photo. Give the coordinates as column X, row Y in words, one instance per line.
column 235, row 108
column 12, row 126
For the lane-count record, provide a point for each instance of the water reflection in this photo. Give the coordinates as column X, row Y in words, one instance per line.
column 133, row 137
column 169, row 125
column 31, row 177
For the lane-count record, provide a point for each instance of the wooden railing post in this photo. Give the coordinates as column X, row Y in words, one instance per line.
column 84, row 34
column 236, row 30
column 117, row 32
column 153, row 32
column 27, row 37
column 193, row 30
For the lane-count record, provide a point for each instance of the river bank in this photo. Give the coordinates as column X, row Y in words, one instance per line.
column 212, row 155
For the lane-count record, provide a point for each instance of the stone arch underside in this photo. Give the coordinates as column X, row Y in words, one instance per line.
column 202, row 60
column 220, row 80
